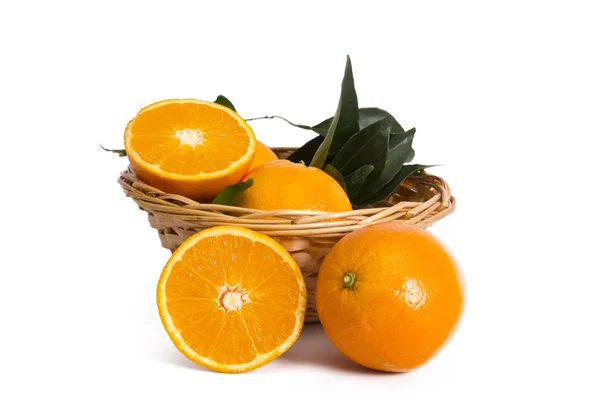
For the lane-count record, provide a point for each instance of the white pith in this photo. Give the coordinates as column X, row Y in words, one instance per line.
column 189, row 136
column 232, row 298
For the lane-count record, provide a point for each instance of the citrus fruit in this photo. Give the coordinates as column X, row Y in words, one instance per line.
column 189, row 147
column 231, row 299
column 263, row 154
column 389, row 296
column 286, row 185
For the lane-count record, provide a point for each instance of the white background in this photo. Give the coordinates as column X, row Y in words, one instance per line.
column 506, row 96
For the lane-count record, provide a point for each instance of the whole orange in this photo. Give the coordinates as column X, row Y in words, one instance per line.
column 389, row 296
column 284, row 185
column 263, row 154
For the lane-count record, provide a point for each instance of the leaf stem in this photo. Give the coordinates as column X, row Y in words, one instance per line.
column 284, row 119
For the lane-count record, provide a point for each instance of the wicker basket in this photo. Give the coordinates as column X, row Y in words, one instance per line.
column 421, row 200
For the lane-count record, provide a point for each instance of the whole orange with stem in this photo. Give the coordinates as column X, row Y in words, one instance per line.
column 390, row 296
column 284, row 185
column 263, row 154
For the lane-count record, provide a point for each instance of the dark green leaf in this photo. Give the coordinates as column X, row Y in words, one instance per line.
column 335, row 174
column 355, row 180
column 370, row 115
column 307, row 151
column 348, row 121
column 228, row 195
column 368, row 146
column 121, row 153
column 321, row 154
column 322, row 127
column 396, row 158
column 224, row 101
column 349, row 116
column 406, row 171
column 396, row 139
column 366, row 117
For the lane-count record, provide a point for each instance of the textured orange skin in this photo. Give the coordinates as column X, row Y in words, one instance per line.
column 284, row 185
column 200, row 190
column 263, row 154
column 406, row 302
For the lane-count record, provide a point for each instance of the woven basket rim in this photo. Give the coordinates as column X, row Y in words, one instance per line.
column 436, row 201
column 308, row 236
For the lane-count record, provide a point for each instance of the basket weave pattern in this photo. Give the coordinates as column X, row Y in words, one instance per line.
column 421, row 200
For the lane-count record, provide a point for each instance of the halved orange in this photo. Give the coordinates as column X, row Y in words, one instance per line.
column 231, row 299
column 189, row 147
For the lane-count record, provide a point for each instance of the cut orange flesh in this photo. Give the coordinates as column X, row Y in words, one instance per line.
column 231, row 299
column 189, row 147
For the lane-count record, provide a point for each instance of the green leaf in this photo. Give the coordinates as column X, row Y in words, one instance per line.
column 355, row 180
column 335, row 174
column 349, row 115
column 345, row 120
column 321, row 153
column 370, row 115
column 384, row 192
column 406, row 137
column 396, row 158
column 366, row 117
column 307, row 151
column 121, row 153
column 348, row 120
column 368, row 146
column 320, row 128
column 396, row 138
column 228, row 195
column 224, row 101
